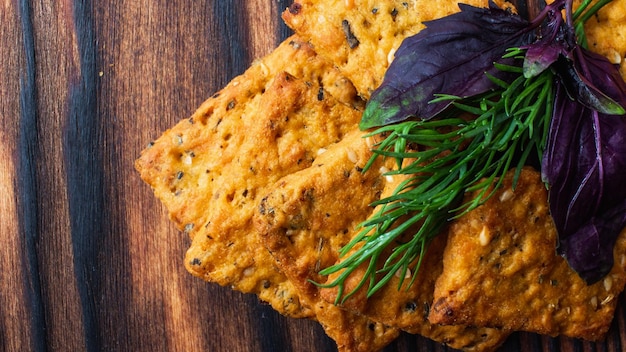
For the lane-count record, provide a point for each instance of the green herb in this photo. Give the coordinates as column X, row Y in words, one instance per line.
column 444, row 155
column 459, row 156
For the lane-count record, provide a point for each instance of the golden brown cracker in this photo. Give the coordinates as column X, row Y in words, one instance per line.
column 501, row 270
column 312, row 214
column 327, row 198
column 209, row 169
column 212, row 138
column 605, row 33
column 361, row 36
column 405, row 305
column 272, row 121
column 353, row 332
column 309, row 215
column 408, row 308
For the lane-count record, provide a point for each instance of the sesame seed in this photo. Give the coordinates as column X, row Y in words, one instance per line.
column 391, row 55
column 352, row 156
column 483, row 237
column 506, row 195
column 608, row 283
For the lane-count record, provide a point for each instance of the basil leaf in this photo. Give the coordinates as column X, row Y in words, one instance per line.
column 585, row 92
column 449, row 57
column 555, row 40
column 589, row 250
column 584, row 166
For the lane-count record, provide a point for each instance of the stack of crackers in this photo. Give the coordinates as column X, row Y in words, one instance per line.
column 266, row 178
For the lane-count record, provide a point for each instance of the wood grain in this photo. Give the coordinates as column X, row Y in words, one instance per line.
column 89, row 260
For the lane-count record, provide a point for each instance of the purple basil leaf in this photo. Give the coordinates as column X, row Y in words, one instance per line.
column 571, row 164
column 584, row 165
column 594, row 95
column 450, row 56
column 539, row 57
column 555, row 41
column 589, row 250
column 607, row 79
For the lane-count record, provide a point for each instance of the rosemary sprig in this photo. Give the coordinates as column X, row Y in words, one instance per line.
column 444, row 158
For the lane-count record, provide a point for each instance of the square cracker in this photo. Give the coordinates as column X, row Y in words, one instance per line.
column 311, row 214
column 209, row 169
column 361, row 36
column 503, row 254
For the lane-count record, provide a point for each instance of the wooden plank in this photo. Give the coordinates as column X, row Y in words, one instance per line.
column 21, row 318
column 90, row 261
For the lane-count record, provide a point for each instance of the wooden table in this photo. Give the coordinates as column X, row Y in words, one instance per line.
column 89, row 260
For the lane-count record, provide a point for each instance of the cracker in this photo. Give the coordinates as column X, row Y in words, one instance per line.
column 214, row 135
column 407, row 307
column 351, row 332
column 327, row 198
column 361, row 36
column 605, row 30
column 311, row 214
column 209, row 169
column 503, row 254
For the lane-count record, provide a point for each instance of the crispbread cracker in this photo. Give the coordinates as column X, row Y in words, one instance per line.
column 311, row 214
column 303, row 205
column 209, row 170
column 503, row 254
column 361, row 36
column 604, row 32
column 214, row 135
column 351, row 332
column 407, row 307
column 262, row 135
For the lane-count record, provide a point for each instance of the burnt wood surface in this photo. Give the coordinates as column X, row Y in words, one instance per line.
column 88, row 258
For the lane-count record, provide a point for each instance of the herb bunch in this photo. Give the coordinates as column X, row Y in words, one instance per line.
column 515, row 79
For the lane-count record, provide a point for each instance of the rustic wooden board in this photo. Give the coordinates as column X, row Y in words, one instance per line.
column 89, row 260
